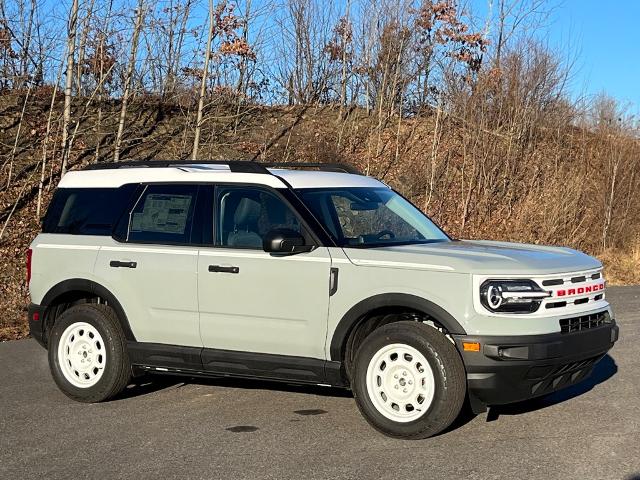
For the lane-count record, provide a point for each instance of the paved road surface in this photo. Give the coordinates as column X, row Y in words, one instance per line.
column 233, row 430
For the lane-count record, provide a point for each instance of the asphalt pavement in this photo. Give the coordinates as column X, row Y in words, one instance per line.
column 168, row 427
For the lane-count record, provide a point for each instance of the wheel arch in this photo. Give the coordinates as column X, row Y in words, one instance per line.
column 387, row 301
column 72, row 290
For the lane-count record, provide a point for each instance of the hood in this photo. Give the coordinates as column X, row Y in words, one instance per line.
column 477, row 257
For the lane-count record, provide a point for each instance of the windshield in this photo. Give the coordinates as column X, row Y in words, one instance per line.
column 370, row 217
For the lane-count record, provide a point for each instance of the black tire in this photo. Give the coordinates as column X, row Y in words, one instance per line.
column 446, row 365
column 117, row 369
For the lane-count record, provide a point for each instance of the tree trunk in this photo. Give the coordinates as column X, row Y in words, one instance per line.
column 71, row 48
column 17, row 139
column 243, row 80
column 343, row 76
column 174, row 63
column 610, row 203
column 127, row 83
column 45, row 142
column 81, row 47
column 203, row 84
column 101, row 50
column 26, row 44
column 501, row 25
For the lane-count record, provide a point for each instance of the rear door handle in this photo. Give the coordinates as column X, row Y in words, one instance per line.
column 118, row 263
column 221, row 269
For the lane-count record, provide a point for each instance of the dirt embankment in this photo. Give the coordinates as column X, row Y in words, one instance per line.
column 543, row 187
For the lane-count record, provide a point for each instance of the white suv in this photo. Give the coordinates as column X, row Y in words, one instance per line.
column 320, row 276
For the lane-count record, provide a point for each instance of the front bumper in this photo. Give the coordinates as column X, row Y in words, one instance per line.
column 511, row 369
column 36, row 327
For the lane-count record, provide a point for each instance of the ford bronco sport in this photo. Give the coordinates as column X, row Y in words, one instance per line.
column 317, row 275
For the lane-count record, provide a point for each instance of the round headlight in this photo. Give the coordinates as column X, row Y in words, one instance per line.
column 494, row 297
column 511, row 296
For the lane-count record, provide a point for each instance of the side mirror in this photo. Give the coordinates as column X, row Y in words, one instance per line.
column 286, row 241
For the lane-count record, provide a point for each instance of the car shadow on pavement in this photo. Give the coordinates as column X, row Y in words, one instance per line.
column 604, row 369
column 464, row 417
column 147, row 384
column 150, row 383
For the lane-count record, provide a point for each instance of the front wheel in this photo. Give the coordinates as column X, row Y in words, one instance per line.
column 409, row 380
column 87, row 353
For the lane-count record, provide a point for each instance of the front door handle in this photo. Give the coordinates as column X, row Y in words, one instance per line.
column 221, row 269
column 118, row 263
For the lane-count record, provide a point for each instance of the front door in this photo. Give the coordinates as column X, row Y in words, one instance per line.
column 253, row 301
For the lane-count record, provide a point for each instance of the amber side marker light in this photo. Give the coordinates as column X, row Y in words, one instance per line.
column 471, row 346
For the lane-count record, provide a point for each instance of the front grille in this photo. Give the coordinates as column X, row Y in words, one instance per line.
column 561, row 281
column 562, row 376
column 584, row 322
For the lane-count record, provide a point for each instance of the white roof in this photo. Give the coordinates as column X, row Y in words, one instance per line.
column 316, row 179
column 113, row 178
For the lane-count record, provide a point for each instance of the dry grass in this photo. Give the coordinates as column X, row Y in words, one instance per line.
column 622, row 267
column 14, row 333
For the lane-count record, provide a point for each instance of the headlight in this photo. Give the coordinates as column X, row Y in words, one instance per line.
column 511, row 296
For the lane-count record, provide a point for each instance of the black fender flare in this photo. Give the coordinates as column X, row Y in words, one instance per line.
column 388, row 300
column 84, row 285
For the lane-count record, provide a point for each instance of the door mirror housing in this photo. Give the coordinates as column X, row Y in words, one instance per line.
column 285, row 241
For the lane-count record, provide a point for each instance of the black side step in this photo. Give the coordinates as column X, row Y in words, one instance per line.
column 210, row 362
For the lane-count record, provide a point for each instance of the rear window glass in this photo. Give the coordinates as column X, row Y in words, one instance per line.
column 86, row 211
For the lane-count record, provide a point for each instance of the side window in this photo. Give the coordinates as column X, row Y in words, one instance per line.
column 163, row 214
column 244, row 215
column 86, row 211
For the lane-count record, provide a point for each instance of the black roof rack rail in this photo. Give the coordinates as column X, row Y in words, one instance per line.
column 325, row 167
column 236, row 166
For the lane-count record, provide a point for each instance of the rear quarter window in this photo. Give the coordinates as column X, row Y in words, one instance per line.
column 87, row 211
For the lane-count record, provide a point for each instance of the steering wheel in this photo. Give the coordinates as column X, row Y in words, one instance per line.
column 385, row 233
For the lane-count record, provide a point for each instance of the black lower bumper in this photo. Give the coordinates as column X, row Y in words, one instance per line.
column 36, row 323
column 512, row 369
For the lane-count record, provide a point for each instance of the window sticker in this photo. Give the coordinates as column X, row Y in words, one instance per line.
column 162, row 213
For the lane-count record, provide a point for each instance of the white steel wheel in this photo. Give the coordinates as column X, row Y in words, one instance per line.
column 82, row 355
column 400, row 382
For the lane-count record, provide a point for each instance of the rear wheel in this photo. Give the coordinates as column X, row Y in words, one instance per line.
column 87, row 353
column 409, row 380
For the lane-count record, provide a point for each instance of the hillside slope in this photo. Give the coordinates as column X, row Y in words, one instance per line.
column 539, row 185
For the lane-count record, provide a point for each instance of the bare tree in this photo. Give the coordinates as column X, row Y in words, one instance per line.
column 304, row 66
column 518, row 17
column 339, row 50
column 174, row 47
column 71, row 48
column 203, row 82
column 12, row 155
column 45, row 141
column 127, row 82
column 26, row 44
column 101, row 58
column 244, row 59
column 82, row 45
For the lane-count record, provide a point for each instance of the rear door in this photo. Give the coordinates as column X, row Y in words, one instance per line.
column 153, row 269
column 253, row 301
